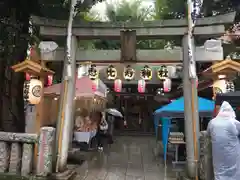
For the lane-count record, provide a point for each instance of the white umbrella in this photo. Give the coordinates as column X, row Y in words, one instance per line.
column 114, row 112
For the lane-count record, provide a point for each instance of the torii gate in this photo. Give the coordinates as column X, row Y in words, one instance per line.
column 205, row 27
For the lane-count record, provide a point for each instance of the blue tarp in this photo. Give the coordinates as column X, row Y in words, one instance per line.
column 176, row 110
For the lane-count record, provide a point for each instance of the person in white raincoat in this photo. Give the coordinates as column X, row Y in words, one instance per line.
column 224, row 130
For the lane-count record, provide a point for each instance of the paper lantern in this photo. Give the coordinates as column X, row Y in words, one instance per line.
column 230, row 86
column 167, row 84
column 27, row 76
column 141, row 86
column 128, row 73
column 95, row 85
column 32, row 91
column 118, row 85
column 146, row 73
column 162, row 72
column 111, row 72
column 93, row 72
column 80, row 71
column 49, row 80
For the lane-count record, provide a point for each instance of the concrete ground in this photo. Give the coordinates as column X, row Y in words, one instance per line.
column 129, row 158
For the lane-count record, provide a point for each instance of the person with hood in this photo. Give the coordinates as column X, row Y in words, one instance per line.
column 224, row 130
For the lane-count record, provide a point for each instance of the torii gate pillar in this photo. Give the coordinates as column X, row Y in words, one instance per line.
column 190, row 114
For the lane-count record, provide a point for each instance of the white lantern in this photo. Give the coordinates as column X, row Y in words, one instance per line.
column 167, row 83
column 141, row 86
column 32, row 91
column 219, row 86
column 93, row 72
column 146, row 73
column 230, row 86
column 118, row 85
column 128, row 73
column 80, row 71
column 111, row 72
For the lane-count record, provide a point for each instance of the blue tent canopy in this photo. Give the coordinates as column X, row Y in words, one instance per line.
column 176, row 110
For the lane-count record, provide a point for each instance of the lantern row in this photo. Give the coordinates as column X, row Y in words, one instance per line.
column 146, row 72
column 91, row 71
column 141, row 87
column 129, row 74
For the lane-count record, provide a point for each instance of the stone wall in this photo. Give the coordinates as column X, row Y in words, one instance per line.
column 17, row 153
column 205, row 161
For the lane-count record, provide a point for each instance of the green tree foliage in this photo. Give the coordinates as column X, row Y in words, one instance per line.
column 129, row 11
column 13, row 43
column 14, row 38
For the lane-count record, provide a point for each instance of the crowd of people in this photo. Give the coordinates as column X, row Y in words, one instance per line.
column 94, row 122
column 224, row 130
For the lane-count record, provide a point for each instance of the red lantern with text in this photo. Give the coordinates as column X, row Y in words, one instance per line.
column 94, row 85
column 49, row 80
column 118, row 85
column 141, row 86
column 27, row 76
column 167, row 83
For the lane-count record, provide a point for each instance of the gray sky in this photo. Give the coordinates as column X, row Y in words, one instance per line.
column 100, row 8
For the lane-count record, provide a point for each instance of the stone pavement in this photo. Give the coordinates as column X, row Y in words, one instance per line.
column 129, row 158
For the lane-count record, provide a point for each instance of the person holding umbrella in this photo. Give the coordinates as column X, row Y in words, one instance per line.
column 112, row 113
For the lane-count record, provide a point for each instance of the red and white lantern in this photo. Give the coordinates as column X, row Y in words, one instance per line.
column 141, row 86
column 118, row 85
column 95, row 85
column 49, row 80
column 167, row 84
column 27, row 76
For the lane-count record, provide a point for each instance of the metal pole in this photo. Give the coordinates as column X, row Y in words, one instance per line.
column 67, row 97
column 190, row 113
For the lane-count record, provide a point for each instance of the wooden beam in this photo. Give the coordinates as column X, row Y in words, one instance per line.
column 143, row 56
column 128, row 46
column 149, row 29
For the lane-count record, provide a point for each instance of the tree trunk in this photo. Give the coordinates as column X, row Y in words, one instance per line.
column 13, row 40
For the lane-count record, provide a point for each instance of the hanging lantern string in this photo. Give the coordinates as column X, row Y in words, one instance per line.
column 30, row 33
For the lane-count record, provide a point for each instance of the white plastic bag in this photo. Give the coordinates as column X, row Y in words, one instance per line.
column 103, row 124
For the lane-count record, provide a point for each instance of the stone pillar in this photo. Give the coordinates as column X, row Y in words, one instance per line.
column 45, row 151
column 4, row 156
column 190, row 112
column 205, row 161
column 65, row 117
column 15, row 158
column 27, row 159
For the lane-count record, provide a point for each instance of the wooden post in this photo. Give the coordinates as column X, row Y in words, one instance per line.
column 39, row 117
column 190, row 113
column 128, row 46
column 65, row 118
